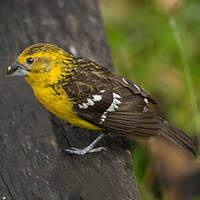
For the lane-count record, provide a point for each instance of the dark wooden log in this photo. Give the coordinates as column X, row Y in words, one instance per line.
column 32, row 163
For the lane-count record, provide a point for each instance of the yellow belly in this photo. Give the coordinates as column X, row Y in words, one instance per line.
column 61, row 106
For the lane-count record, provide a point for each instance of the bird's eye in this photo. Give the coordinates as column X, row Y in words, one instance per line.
column 29, row 60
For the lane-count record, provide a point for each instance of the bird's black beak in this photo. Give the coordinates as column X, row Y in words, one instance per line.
column 16, row 69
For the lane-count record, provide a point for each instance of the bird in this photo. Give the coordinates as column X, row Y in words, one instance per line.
column 91, row 96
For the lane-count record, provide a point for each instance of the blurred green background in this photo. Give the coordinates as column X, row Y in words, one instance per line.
column 144, row 49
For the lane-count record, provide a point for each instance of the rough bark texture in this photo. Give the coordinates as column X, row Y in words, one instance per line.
column 32, row 163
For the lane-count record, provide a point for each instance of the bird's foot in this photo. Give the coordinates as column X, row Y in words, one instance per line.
column 88, row 149
column 84, row 151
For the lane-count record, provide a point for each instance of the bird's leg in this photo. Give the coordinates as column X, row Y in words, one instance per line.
column 88, row 149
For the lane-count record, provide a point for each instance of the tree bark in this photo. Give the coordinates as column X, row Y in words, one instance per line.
column 32, row 163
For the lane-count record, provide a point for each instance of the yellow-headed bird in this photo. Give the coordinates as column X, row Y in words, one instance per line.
column 90, row 96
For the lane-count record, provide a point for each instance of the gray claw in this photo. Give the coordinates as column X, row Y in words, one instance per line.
column 84, row 151
column 88, row 149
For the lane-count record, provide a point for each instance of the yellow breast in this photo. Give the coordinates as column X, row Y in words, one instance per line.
column 57, row 102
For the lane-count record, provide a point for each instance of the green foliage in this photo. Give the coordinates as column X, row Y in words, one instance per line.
column 141, row 161
column 197, row 198
column 145, row 50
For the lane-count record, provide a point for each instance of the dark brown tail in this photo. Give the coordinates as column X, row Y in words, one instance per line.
column 177, row 136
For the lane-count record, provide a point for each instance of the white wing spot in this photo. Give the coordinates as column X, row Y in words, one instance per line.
column 73, row 50
column 115, row 96
column 80, row 106
column 85, row 106
column 116, row 101
column 137, row 87
column 123, row 79
column 97, row 97
column 116, row 106
column 113, row 106
column 90, row 102
column 102, row 91
column 103, row 116
column 146, row 100
column 145, row 109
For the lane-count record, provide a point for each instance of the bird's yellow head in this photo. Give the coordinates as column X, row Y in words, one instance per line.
column 39, row 62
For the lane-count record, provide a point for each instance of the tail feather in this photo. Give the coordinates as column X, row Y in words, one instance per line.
column 177, row 136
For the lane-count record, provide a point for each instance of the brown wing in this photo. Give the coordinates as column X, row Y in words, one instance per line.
column 112, row 102
column 122, row 111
